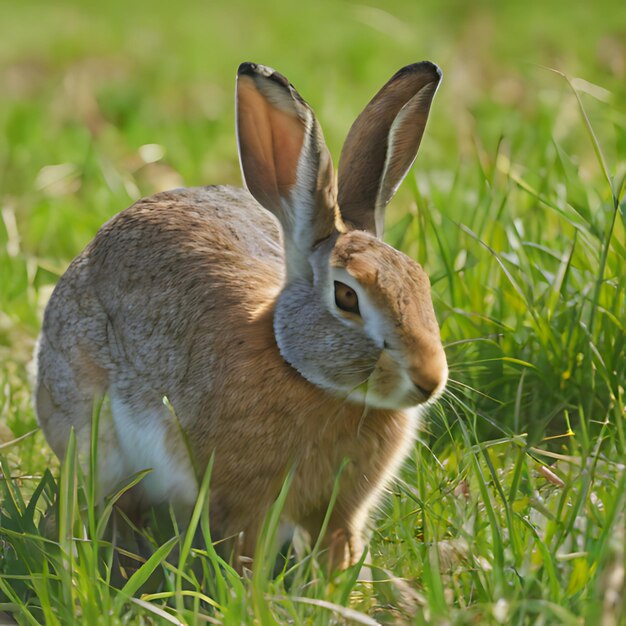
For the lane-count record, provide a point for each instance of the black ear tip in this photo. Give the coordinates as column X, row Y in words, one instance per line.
column 255, row 69
column 423, row 67
column 435, row 69
column 246, row 68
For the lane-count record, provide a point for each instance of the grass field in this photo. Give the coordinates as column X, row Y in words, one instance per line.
column 512, row 507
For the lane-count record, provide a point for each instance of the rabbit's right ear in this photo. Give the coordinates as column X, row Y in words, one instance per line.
column 285, row 163
column 382, row 144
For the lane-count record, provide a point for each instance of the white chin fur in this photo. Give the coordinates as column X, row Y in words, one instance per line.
column 403, row 397
column 377, row 401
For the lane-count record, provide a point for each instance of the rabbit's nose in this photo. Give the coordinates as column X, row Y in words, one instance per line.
column 429, row 377
column 428, row 386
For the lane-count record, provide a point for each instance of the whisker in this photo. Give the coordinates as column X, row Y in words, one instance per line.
column 359, row 370
column 466, row 387
column 489, row 339
column 455, row 402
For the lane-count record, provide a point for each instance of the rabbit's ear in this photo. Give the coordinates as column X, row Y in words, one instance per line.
column 285, row 163
column 382, row 144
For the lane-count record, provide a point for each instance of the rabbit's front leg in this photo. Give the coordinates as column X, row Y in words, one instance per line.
column 345, row 548
column 344, row 539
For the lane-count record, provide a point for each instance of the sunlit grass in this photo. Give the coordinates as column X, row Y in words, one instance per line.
column 511, row 507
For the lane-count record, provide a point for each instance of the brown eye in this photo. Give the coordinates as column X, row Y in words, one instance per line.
column 346, row 298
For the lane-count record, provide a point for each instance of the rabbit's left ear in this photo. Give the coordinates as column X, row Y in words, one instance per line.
column 382, row 144
column 285, row 163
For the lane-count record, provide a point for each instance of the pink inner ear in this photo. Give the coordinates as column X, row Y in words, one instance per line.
column 270, row 143
column 288, row 139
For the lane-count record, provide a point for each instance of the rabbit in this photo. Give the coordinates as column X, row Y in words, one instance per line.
column 281, row 328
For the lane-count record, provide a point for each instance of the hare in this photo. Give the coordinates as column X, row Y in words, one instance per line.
column 281, row 328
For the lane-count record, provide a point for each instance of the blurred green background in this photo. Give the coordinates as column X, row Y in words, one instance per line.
column 121, row 74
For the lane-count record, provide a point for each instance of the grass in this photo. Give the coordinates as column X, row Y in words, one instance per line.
column 511, row 508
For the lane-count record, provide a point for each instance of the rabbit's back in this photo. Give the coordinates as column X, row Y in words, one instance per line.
column 182, row 262
column 154, row 302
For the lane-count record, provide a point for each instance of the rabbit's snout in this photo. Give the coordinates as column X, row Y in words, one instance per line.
column 404, row 379
column 430, row 384
column 429, row 371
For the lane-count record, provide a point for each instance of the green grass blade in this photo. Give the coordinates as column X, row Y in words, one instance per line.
column 141, row 576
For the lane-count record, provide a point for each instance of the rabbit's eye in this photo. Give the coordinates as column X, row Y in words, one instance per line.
column 346, row 298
